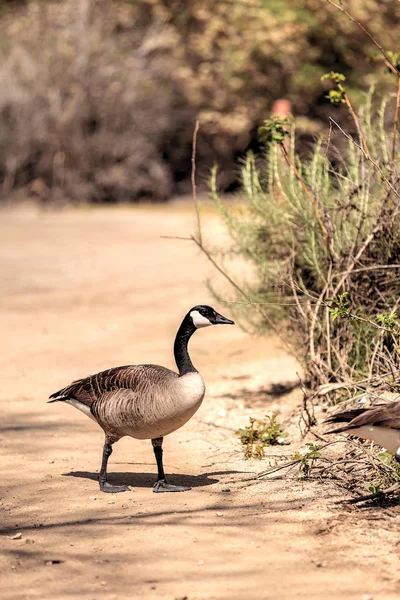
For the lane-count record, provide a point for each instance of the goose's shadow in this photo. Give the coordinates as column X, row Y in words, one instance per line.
column 147, row 480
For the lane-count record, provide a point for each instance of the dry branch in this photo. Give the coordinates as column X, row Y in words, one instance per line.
column 388, row 62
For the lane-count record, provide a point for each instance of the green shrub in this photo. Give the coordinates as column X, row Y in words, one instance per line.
column 322, row 238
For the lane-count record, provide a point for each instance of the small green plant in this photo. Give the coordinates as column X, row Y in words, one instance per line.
column 340, row 307
column 387, row 320
column 307, row 459
column 337, row 96
column 275, row 129
column 372, row 487
column 336, row 77
column 260, row 433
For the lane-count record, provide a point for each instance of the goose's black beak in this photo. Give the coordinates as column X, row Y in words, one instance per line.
column 220, row 320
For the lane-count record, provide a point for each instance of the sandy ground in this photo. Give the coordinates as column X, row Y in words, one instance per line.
column 83, row 290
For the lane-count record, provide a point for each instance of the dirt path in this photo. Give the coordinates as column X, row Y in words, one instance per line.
column 85, row 290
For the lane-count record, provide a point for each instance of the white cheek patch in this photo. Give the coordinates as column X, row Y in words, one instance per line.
column 199, row 320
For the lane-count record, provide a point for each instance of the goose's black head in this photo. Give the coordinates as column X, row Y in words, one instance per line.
column 203, row 316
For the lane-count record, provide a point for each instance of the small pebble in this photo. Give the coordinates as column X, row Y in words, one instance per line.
column 225, row 489
column 200, row 562
column 92, row 497
column 111, row 502
column 219, row 514
column 29, row 541
column 17, row 536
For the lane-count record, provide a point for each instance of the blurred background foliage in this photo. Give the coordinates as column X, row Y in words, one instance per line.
column 98, row 98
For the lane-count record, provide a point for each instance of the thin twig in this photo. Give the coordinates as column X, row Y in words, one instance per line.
column 372, row 360
column 266, row 302
column 376, row 325
column 310, row 420
column 349, row 105
column 328, row 338
column 257, row 307
column 372, row 268
column 296, row 297
column 299, row 178
column 176, row 237
column 194, row 192
column 388, row 62
column 278, row 468
column 315, row 314
column 395, row 119
column 378, row 494
column 329, row 140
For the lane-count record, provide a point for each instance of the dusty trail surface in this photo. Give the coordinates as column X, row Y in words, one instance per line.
column 84, row 290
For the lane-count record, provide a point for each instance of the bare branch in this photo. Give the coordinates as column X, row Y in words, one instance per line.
column 194, row 192
column 256, row 306
column 305, row 188
column 395, row 120
column 388, row 62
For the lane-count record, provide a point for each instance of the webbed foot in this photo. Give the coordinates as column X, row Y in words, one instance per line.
column 108, row 488
column 162, row 486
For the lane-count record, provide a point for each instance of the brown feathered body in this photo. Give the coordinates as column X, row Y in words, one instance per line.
column 380, row 423
column 140, row 401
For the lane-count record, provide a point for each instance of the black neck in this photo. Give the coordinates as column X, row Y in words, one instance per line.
column 182, row 358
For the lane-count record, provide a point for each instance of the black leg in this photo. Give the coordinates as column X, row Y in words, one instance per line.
column 161, row 485
column 104, row 485
column 158, row 452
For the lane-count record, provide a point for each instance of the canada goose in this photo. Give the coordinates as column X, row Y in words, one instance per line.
column 380, row 423
column 144, row 401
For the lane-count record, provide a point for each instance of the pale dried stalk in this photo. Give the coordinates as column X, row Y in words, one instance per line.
column 395, row 120
column 193, row 179
column 320, row 303
column 363, row 141
column 313, row 201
